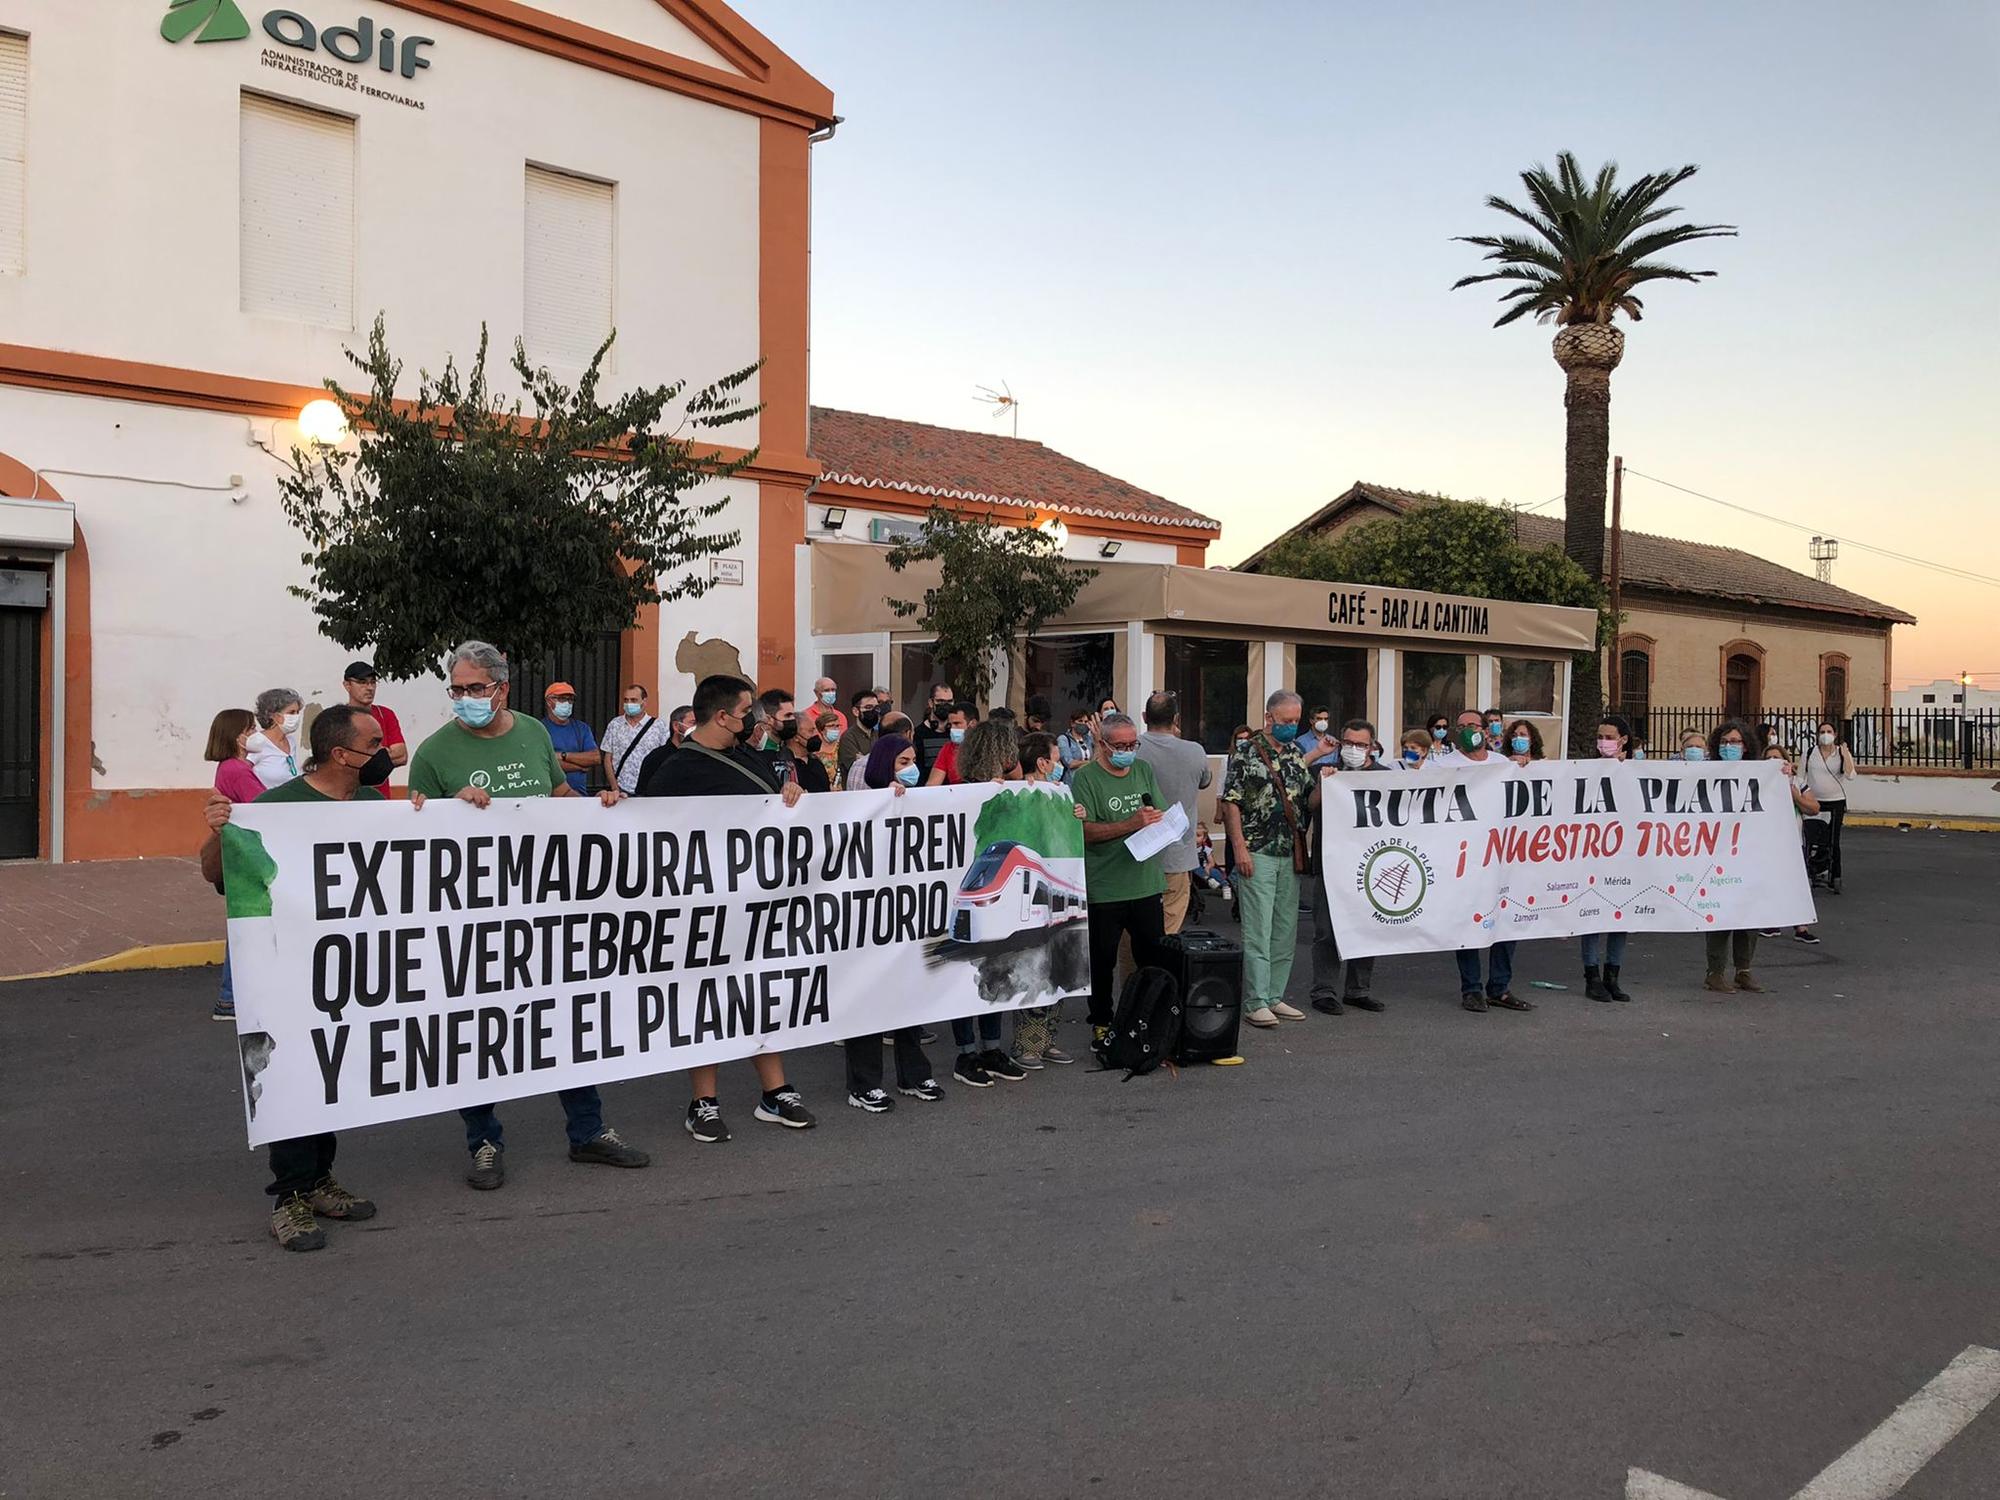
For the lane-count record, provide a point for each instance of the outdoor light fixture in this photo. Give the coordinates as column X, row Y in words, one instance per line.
column 836, row 517
column 1056, row 532
column 322, row 422
column 1109, row 549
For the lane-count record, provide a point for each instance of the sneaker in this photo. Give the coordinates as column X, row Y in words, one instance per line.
column 1057, row 1056
column 1286, row 1012
column 999, row 1065
column 487, row 1171
column 787, row 1107
column 1769, row 932
column 930, row 1091
column 1472, row 1000
column 1228, row 894
column 607, row 1150
column 1100, row 1038
column 1806, row 935
column 1030, row 1060
column 873, row 1100
column 1329, row 1005
column 968, row 1072
column 1261, row 1016
column 224, row 1010
column 293, row 1226
column 704, row 1122
column 927, row 1036
column 332, row 1201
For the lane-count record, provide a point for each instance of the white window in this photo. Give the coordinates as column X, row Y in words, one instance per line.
column 567, row 286
column 13, row 152
column 297, row 229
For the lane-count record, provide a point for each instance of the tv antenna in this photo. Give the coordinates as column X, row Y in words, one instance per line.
column 1823, row 550
column 1004, row 403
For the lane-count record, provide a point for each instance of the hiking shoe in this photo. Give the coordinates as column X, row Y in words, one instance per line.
column 704, row 1122
column 786, row 1107
column 293, row 1226
column 1286, row 1012
column 607, row 1150
column 1032, row 1061
column 487, row 1171
column 968, row 1072
column 1261, row 1016
column 873, row 1100
column 930, row 1091
column 1057, row 1056
column 224, row 1010
column 999, row 1065
column 1329, row 1005
column 1365, row 1002
column 1745, row 980
column 332, row 1201
column 1472, row 1000
column 1806, row 935
column 1719, row 983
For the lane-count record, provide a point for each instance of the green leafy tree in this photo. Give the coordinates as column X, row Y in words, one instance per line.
column 997, row 583
column 532, row 521
column 1048, row 825
column 1591, row 245
column 1447, row 547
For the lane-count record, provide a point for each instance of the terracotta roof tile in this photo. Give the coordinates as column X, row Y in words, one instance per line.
column 982, row 467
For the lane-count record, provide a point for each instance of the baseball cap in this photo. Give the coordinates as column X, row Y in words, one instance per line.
column 359, row 671
column 557, row 689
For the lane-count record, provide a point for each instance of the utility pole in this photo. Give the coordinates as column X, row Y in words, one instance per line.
column 1616, row 693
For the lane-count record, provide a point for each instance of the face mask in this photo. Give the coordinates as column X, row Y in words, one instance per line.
column 1521, row 744
column 1241, row 743
column 562, row 710
column 1319, row 726
column 1123, row 759
column 1354, row 757
column 784, row 729
column 1730, row 752
column 1054, row 772
column 1639, row 753
column 376, row 769
column 1284, row 734
column 1438, row 734
column 827, row 698
column 1607, row 748
column 1471, row 738
column 870, row 718
column 1694, row 752
column 1496, row 728
column 1413, row 757
column 290, row 723
column 751, row 733
column 958, row 736
column 1826, row 738
column 908, row 775
column 473, row 713
column 633, row 710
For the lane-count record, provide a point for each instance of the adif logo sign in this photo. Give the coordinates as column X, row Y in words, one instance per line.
column 357, row 45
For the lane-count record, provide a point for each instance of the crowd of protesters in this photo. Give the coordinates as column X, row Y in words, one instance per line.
column 1260, row 865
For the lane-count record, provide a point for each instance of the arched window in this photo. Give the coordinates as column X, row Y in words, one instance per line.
column 1833, row 667
column 1633, row 686
column 1743, row 680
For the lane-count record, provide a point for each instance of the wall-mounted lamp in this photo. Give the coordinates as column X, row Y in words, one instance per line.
column 322, row 422
column 836, row 517
column 1109, row 549
column 1056, row 532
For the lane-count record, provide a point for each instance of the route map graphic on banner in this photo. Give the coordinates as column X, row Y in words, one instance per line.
column 390, row 961
column 1437, row 860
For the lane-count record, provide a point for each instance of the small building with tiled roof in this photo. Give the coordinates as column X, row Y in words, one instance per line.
column 1705, row 625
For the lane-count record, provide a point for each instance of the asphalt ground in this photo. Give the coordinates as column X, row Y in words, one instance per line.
column 1423, row 1254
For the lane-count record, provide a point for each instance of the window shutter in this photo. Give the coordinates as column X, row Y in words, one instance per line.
column 297, row 239
column 13, row 152
column 568, row 282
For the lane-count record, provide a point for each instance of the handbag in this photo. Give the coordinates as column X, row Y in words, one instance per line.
column 1301, row 850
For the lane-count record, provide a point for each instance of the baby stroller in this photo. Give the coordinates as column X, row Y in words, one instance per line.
column 1818, row 836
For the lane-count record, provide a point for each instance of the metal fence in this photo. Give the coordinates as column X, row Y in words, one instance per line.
column 1902, row 738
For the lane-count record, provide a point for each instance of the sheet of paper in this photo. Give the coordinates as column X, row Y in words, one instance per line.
column 1148, row 841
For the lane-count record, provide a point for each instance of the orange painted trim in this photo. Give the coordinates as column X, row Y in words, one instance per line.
column 1188, row 554
column 781, row 527
column 139, row 823
column 775, row 86
column 903, row 502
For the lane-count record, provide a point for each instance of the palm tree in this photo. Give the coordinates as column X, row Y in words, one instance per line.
column 1591, row 249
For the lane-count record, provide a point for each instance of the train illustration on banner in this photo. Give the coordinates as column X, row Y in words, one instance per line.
column 1012, row 889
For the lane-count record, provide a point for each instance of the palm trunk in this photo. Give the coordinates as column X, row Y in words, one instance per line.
column 1588, row 353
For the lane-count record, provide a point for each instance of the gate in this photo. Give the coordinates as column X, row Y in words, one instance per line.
column 23, row 597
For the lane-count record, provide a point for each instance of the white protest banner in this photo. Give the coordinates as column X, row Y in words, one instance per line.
column 391, row 962
column 1423, row 862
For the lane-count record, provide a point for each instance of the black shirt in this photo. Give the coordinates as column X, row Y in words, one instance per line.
column 692, row 771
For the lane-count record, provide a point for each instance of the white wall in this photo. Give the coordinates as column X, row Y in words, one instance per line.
column 1920, row 797
column 1947, row 697
column 133, row 187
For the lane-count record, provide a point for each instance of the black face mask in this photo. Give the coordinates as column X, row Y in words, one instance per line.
column 784, row 729
column 751, row 732
column 377, row 768
column 870, row 717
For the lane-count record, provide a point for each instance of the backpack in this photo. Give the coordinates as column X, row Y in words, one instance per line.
column 1147, row 1025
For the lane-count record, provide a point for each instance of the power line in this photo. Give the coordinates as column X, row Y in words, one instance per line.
column 1846, row 541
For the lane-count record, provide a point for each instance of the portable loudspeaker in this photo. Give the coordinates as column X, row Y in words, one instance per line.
column 1209, row 967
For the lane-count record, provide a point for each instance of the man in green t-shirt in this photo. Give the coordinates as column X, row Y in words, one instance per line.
column 348, row 764
column 1119, row 796
column 489, row 751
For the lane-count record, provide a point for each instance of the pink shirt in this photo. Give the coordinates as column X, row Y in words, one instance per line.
column 236, row 781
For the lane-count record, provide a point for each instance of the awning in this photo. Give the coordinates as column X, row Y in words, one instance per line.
column 852, row 584
column 45, row 525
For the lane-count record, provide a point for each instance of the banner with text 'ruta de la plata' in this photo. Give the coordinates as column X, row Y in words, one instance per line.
column 1465, row 858
column 390, row 961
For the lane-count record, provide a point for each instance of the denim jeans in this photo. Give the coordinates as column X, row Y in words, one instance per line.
column 228, row 996
column 1611, row 945
column 1499, row 970
column 299, row 1166
column 583, row 1114
column 989, row 1032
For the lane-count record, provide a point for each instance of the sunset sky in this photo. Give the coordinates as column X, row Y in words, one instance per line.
column 1209, row 248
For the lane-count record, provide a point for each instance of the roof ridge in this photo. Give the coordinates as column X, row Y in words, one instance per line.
column 999, row 437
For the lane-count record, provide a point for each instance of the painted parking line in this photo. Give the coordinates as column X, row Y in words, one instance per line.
column 1878, row 1466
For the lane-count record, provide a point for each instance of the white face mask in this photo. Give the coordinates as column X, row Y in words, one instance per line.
column 290, row 723
column 1826, row 738
column 1320, row 726
column 1354, row 757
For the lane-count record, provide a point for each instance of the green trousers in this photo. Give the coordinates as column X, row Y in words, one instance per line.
column 1268, row 903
